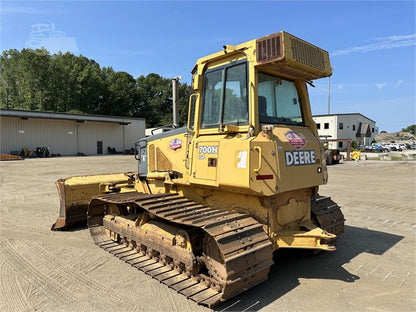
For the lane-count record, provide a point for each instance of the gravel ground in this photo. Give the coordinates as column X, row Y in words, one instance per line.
column 373, row 268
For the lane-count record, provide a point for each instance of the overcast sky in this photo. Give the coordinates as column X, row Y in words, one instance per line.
column 371, row 43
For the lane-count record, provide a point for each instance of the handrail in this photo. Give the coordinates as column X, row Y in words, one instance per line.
column 258, row 148
column 190, row 111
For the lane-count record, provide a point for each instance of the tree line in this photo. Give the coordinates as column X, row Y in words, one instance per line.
column 411, row 129
column 63, row 82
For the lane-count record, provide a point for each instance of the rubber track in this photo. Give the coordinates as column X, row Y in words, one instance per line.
column 245, row 247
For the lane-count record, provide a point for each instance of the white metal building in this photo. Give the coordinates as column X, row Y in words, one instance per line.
column 67, row 134
column 352, row 126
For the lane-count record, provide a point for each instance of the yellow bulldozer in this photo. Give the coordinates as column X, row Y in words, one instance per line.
column 211, row 201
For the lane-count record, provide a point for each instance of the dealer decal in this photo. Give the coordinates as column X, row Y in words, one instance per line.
column 296, row 140
column 300, row 158
column 175, row 144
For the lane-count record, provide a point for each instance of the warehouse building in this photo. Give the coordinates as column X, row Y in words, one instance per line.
column 354, row 126
column 68, row 134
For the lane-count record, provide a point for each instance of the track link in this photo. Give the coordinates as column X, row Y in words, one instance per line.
column 243, row 250
column 327, row 214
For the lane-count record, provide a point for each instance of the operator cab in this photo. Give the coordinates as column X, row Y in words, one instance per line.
column 225, row 99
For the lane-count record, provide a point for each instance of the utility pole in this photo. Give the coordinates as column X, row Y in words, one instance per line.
column 329, row 92
column 329, row 95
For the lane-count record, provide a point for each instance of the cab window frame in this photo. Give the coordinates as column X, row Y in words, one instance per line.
column 275, row 119
column 224, row 70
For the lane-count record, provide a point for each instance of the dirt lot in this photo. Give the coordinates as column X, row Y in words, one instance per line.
column 372, row 270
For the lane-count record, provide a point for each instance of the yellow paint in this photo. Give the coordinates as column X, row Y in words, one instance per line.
column 99, row 178
column 356, row 155
column 245, row 167
column 80, row 189
column 228, row 169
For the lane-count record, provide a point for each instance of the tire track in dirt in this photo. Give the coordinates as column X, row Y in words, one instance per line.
column 67, row 274
column 13, row 297
column 382, row 274
column 375, row 214
column 76, row 271
column 383, row 205
column 88, row 263
column 63, row 285
column 49, row 288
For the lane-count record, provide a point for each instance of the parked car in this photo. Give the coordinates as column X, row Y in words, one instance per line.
column 397, row 146
column 366, row 148
column 378, row 148
column 403, row 146
column 392, row 147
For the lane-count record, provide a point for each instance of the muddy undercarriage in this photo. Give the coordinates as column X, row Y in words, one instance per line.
column 206, row 254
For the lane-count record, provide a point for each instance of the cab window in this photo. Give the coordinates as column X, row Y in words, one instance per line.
column 279, row 101
column 225, row 96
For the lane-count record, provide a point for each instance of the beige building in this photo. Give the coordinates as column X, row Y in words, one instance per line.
column 67, row 134
column 352, row 126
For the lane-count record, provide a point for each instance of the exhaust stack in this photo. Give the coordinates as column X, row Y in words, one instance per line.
column 175, row 91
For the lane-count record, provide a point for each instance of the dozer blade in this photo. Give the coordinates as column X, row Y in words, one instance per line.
column 76, row 192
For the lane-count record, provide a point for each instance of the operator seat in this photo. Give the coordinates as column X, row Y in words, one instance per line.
column 262, row 108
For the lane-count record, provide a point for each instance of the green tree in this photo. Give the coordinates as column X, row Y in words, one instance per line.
column 63, row 82
column 76, row 84
column 185, row 92
column 411, row 129
column 153, row 93
column 8, row 78
column 90, row 85
column 154, row 100
column 24, row 78
column 121, row 94
column 63, row 95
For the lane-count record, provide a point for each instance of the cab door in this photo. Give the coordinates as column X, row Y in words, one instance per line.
column 223, row 114
column 206, row 160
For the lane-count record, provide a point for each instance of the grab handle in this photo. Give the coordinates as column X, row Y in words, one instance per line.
column 258, row 148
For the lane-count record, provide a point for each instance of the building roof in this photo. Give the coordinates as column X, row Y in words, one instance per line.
column 8, row 112
column 345, row 114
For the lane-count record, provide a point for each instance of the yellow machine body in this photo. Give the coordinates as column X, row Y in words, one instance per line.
column 270, row 171
column 210, row 201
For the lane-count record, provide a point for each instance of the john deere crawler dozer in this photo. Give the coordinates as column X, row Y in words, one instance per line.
column 211, row 201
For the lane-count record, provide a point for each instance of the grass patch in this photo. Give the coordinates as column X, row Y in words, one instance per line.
column 396, row 158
